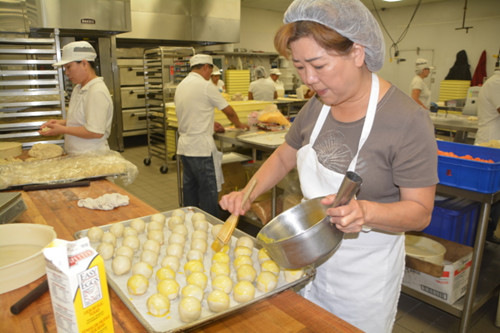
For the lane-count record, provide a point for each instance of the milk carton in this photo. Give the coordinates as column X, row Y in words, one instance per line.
column 78, row 287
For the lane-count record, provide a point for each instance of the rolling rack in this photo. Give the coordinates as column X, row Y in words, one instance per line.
column 161, row 66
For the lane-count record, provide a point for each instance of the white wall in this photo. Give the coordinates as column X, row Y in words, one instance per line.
column 432, row 30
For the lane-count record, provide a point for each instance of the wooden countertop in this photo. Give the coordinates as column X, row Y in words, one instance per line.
column 286, row 311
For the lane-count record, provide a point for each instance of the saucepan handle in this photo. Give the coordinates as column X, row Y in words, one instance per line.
column 350, row 185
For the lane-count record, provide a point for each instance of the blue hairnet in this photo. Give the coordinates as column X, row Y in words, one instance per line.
column 259, row 72
column 350, row 18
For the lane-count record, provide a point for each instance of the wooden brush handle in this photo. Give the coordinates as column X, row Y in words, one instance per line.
column 247, row 193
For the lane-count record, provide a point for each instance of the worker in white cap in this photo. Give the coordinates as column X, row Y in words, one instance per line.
column 88, row 120
column 215, row 77
column 419, row 90
column 274, row 75
column 195, row 99
column 261, row 89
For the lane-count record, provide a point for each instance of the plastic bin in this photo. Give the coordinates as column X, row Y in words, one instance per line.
column 455, row 220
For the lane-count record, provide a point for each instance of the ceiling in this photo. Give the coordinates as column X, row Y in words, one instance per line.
column 282, row 5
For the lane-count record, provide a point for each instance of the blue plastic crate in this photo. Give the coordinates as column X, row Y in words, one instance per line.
column 455, row 220
column 469, row 174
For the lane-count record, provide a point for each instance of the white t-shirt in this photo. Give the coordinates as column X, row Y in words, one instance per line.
column 487, row 105
column 279, row 86
column 91, row 107
column 195, row 99
column 425, row 93
column 262, row 90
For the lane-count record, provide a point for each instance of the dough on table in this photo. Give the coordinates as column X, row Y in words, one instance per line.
column 44, row 151
column 222, row 282
column 130, row 231
column 270, row 266
column 198, row 278
column 244, row 291
column 169, row 288
column 10, row 149
column 121, row 265
column 137, row 285
column 158, row 305
column 192, row 290
column 124, row 251
column 151, row 245
column 142, row 268
column 171, row 261
column 246, row 273
column 138, row 224
column 189, row 309
column 174, row 221
column 221, row 257
column 193, row 266
column 194, row 255
column 106, row 250
column 245, row 241
column 132, row 241
column 219, row 268
column 117, row 229
column 164, row 273
column 108, row 237
column 242, row 260
column 149, row 257
column 95, row 234
column 218, row 301
column 266, row 281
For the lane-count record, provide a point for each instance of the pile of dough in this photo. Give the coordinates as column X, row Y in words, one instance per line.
column 10, row 149
column 44, row 151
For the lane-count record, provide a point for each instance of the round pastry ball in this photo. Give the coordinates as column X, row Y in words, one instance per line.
column 270, row 266
column 218, row 301
column 201, row 225
column 177, row 238
column 108, row 237
column 176, row 250
column 179, row 212
column 263, row 255
column 138, row 224
column 193, row 266
column 194, row 255
column 95, row 234
column 199, row 244
column 159, row 217
column 223, row 283
column 245, row 241
column 171, row 261
column 165, row 273
column 201, row 234
column 131, row 241
column 142, row 268
column 169, row 288
column 215, row 230
column 225, row 248
column 158, row 305
column 189, row 309
column 149, row 257
column 180, row 229
column 242, row 251
column 219, row 268
column 292, row 275
column 244, row 291
column 137, row 284
column 106, row 250
column 246, row 273
column 221, row 257
column 155, row 225
column 129, row 231
column 266, row 281
column 156, row 235
column 151, row 245
column 175, row 221
column 192, row 290
column 198, row 278
column 121, row 265
column 117, row 229
column 242, row 260
column 198, row 217
column 124, row 251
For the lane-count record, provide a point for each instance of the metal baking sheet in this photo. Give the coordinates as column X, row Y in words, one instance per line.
column 265, row 140
column 171, row 322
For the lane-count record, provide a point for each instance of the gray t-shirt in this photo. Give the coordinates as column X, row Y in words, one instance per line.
column 400, row 151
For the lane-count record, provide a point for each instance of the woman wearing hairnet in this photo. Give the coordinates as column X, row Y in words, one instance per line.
column 261, row 89
column 419, row 90
column 357, row 122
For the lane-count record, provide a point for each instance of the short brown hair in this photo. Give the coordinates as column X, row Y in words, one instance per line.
column 324, row 36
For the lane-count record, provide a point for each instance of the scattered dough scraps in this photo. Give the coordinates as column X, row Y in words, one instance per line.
column 44, row 151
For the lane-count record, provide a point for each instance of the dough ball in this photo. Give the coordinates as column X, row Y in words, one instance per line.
column 225, row 248
column 201, row 225
column 117, row 229
column 194, row 255
column 177, row 238
column 246, row 273
column 142, row 268
column 198, row 278
column 244, row 291
column 158, row 305
column 156, row 235
column 171, row 261
column 124, row 251
column 199, row 244
column 106, row 250
column 218, row 301
column 192, row 290
column 131, row 241
column 169, row 288
column 174, row 221
column 242, row 260
column 193, row 266
column 263, row 255
column 198, row 217
column 151, row 245
column 189, row 309
column 129, row 231
column 292, row 275
column 121, row 265
column 149, row 257
column 242, row 251
column 155, row 225
column 219, row 268
column 215, row 230
column 176, row 250
column 108, row 237
column 270, row 266
column 137, row 284
column 138, row 224
column 95, row 234
column 180, row 229
column 266, row 281
column 223, row 283
column 245, row 241
column 165, row 273
column 159, row 217
column 179, row 212
column 199, row 234
column 221, row 257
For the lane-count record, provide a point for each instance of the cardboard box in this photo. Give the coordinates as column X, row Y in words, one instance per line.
column 448, row 282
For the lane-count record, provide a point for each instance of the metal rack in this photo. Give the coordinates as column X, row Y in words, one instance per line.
column 31, row 90
column 162, row 66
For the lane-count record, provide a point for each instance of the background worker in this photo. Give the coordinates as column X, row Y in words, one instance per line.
column 195, row 99
column 419, row 90
column 261, row 89
column 274, row 75
column 215, row 77
column 88, row 121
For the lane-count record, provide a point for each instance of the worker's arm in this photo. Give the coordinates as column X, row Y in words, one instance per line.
column 415, row 94
column 233, row 117
column 275, row 95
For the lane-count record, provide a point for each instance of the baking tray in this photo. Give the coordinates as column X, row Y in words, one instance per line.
column 171, row 322
column 264, row 140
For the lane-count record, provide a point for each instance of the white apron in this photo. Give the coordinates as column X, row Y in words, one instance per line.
column 361, row 281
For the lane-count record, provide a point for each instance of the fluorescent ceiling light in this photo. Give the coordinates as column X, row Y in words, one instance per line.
column 391, row 0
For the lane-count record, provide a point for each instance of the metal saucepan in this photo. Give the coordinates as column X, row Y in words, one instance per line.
column 303, row 234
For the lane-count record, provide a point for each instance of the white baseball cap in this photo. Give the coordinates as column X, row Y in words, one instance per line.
column 76, row 51
column 216, row 71
column 275, row 71
column 200, row 59
column 421, row 64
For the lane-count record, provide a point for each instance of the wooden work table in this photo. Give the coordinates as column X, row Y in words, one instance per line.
column 286, row 311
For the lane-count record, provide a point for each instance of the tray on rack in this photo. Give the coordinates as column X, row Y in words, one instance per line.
column 171, row 322
column 267, row 140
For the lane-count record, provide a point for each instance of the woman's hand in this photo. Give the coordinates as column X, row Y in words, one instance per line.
column 348, row 218
column 232, row 203
column 52, row 127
